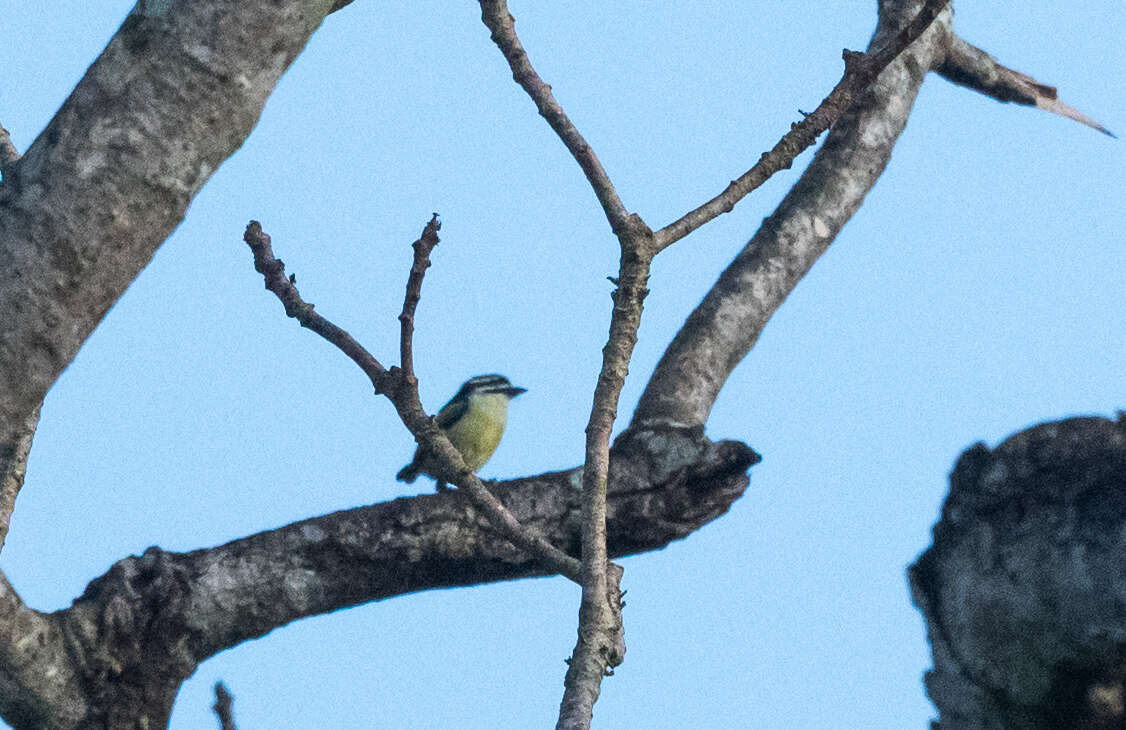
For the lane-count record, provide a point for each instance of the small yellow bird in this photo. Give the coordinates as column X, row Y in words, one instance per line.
column 473, row 420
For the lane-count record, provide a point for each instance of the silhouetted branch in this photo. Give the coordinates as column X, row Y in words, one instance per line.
column 972, row 67
column 222, row 707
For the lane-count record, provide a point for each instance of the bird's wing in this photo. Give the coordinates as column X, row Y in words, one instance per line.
column 451, row 412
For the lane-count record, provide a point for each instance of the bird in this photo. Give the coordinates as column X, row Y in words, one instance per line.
column 473, row 420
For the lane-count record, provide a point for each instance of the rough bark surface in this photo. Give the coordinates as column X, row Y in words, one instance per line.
column 82, row 212
column 175, row 93
column 727, row 323
column 1023, row 589
column 122, row 650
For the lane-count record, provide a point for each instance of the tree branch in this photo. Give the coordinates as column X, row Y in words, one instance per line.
column 495, row 15
column 223, row 707
column 172, row 96
column 860, row 71
column 284, row 288
column 420, row 263
column 726, row 324
column 401, row 387
column 150, row 620
column 1022, row 589
column 601, row 646
column 973, row 68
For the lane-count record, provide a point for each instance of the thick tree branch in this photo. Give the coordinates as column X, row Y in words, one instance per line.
column 860, row 71
column 726, row 324
column 13, row 468
column 1023, row 590
column 40, row 683
column 172, row 96
column 145, row 625
column 972, row 67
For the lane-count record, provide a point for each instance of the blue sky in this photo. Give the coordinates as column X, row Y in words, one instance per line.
column 977, row 291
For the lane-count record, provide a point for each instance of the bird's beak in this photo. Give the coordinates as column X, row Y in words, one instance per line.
column 512, row 391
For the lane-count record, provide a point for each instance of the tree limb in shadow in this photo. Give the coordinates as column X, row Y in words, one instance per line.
column 973, row 68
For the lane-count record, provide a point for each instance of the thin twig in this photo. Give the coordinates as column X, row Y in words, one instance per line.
column 860, row 71
column 422, row 248
column 401, row 388
column 972, row 67
column 495, row 15
column 222, row 707
column 285, row 288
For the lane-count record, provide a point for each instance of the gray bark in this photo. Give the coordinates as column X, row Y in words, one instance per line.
column 1023, row 589
column 175, row 93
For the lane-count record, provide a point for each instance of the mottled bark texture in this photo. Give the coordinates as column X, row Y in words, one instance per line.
column 121, row 651
column 1023, row 589
column 727, row 323
column 82, row 212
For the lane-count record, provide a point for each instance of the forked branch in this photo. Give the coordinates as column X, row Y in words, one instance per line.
column 401, row 387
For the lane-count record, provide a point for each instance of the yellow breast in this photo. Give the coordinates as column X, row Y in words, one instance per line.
column 478, row 432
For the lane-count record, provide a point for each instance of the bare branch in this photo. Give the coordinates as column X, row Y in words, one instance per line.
column 495, row 15
column 726, row 324
column 860, row 72
column 216, row 598
column 222, row 707
column 972, row 67
column 401, row 387
column 601, row 646
column 150, row 620
column 421, row 262
column 285, row 288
